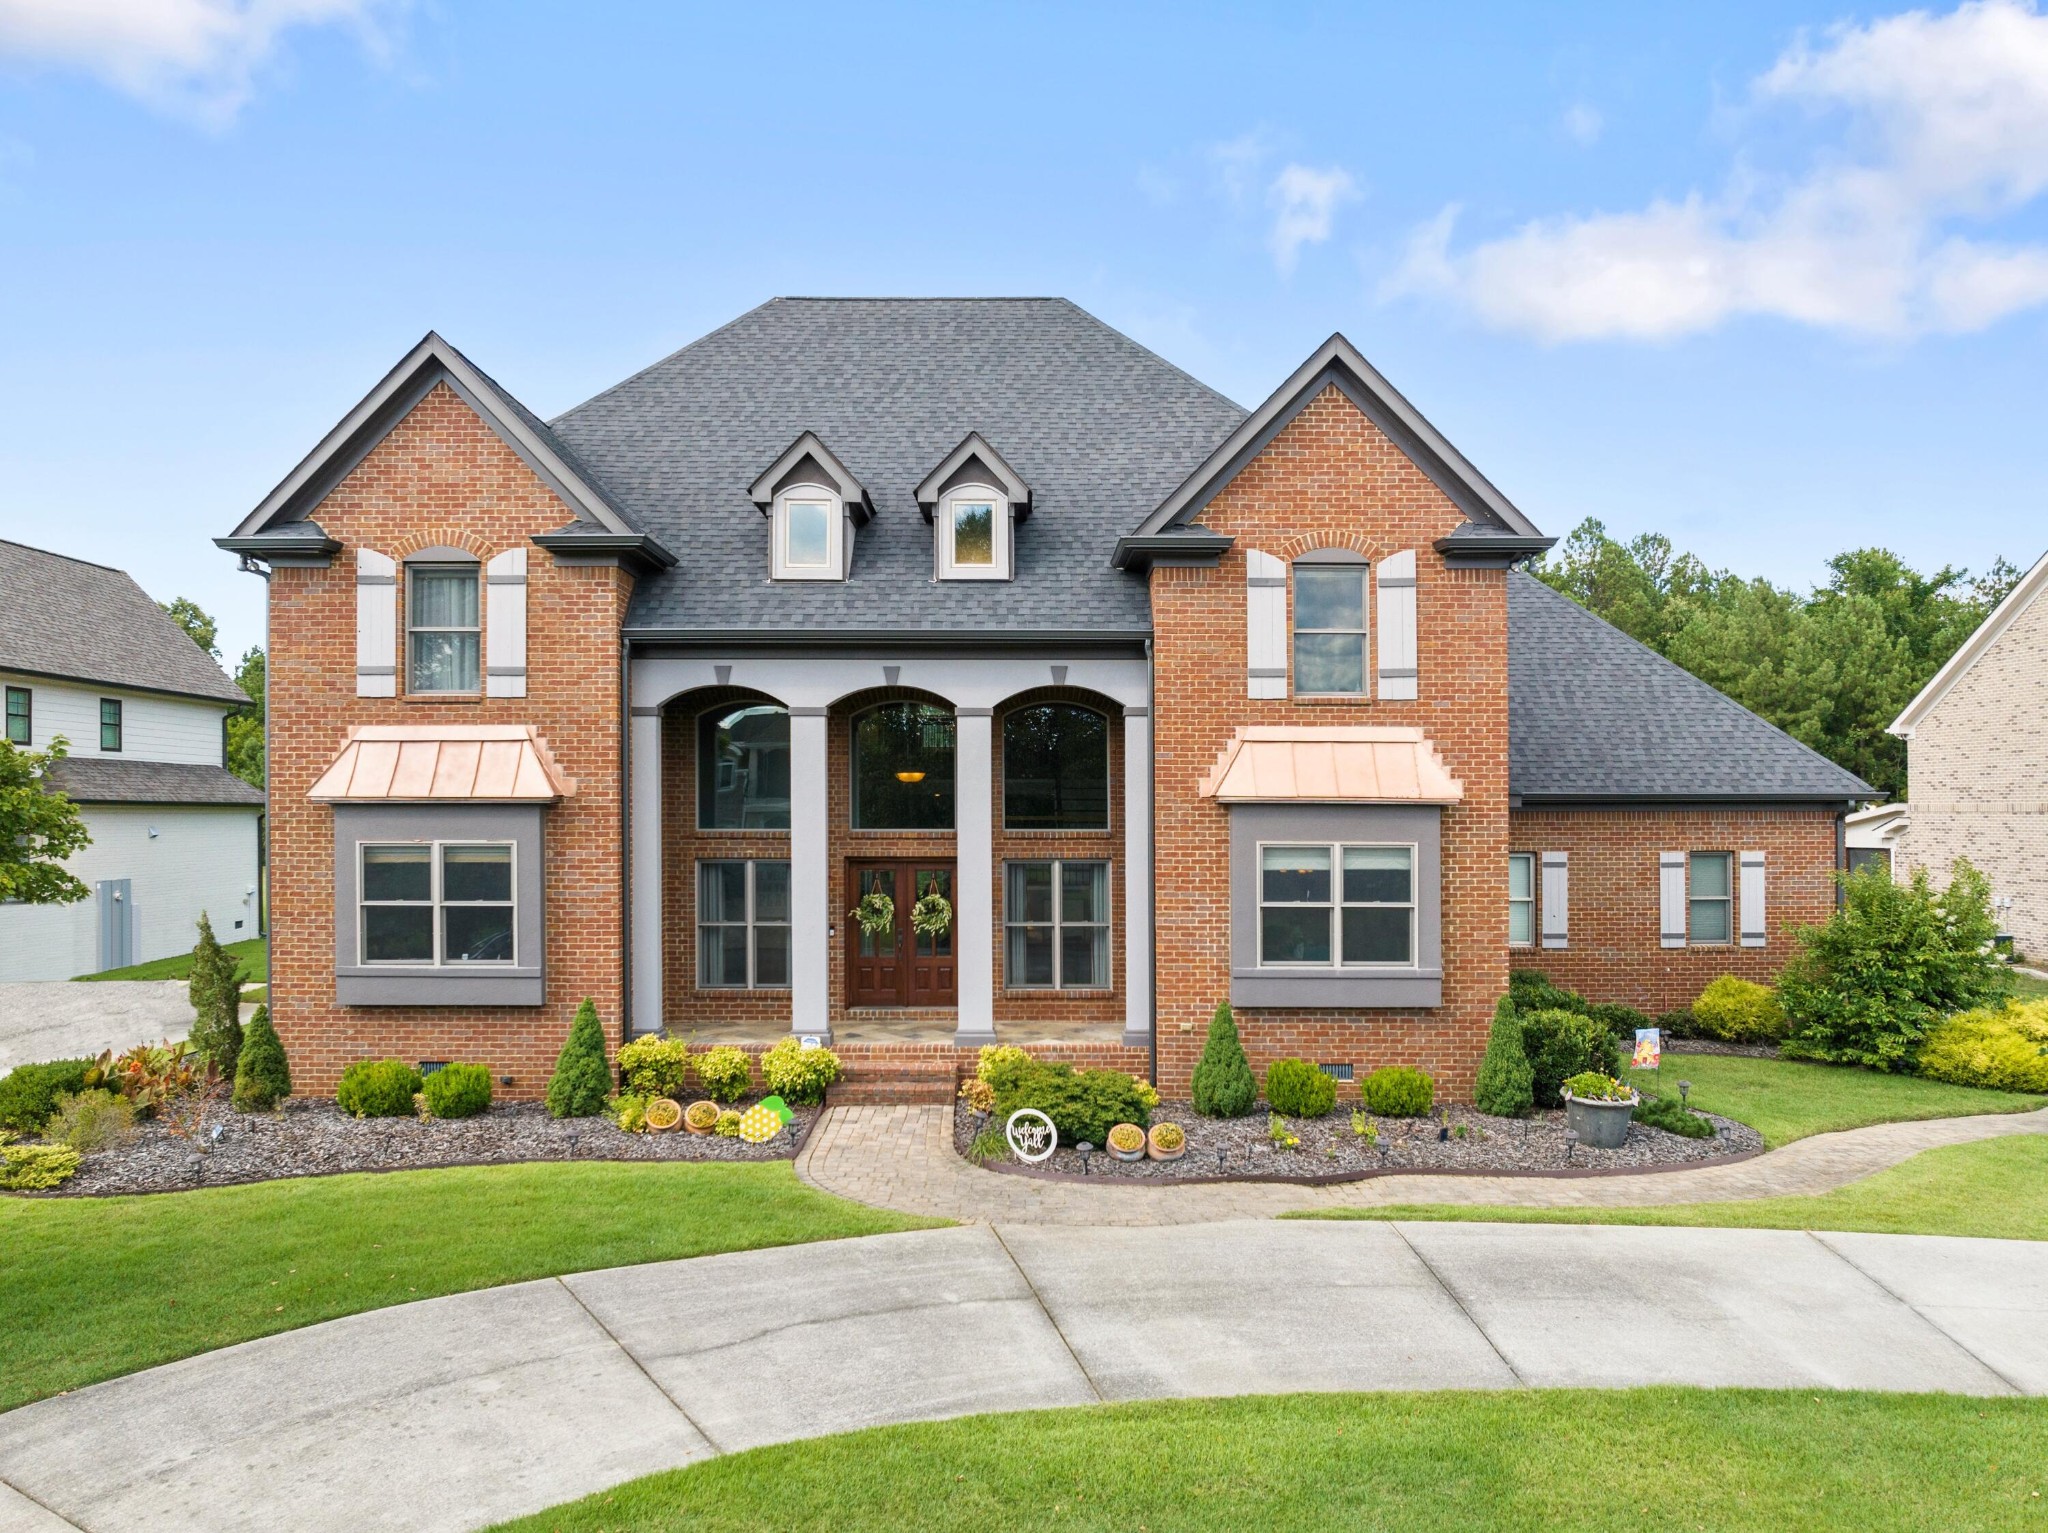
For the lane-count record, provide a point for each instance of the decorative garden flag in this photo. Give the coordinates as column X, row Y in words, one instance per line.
column 780, row 1108
column 1649, row 1049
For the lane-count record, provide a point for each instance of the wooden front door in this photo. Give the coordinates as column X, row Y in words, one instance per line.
column 900, row 967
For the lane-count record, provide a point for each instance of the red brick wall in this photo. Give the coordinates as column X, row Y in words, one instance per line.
column 1614, row 922
column 443, row 478
column 1330, row 478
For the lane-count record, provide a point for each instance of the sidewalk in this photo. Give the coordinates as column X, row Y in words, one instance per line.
column 903, row 1158
column 455, row 1413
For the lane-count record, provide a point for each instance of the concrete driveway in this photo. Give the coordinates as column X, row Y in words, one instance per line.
column 60, row 1019
column 493, row 1404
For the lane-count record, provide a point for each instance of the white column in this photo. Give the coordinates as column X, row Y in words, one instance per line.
column 974, row 926
column 1137, row 877
column 643, row 744
column 810, row 891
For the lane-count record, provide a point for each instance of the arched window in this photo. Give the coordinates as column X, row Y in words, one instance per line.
column 1055, row 768
column 903, row 768
column 743, row 768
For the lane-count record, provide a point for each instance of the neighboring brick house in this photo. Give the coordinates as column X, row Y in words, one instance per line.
column 87, row 657
column 1976, row 769
column 979, row 607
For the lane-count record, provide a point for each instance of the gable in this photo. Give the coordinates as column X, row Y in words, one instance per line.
column 2022, row 616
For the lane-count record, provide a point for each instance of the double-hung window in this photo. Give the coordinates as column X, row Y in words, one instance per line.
column 1056, row 925
column 1709, row 904
column 20, row 720
column 436, row 902
column 1329, row 629
column 110, row 723
column 742, row 925
column 1521, row 899
column 1336, row 906
column 444, row 635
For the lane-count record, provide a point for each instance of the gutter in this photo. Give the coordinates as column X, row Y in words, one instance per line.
column 1151, row 848
column 626, row 839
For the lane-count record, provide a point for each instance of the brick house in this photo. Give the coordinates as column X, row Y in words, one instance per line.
column 1978, row 783
column 916, row 674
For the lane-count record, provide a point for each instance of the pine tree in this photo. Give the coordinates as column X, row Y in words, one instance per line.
column 1224, row 1086
column 263, row 1077
column 1507, row 1084
column 215, row 988
column 582, row 1078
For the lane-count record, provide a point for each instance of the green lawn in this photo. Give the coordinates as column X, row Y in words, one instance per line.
column 101, row 1286
column 1784, row 1100
column 1631, row 1461
column 254, row 955
column 1996, row 1187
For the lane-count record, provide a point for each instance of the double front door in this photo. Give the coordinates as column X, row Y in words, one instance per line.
column 896, row 965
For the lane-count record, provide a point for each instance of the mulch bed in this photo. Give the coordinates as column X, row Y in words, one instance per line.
column 316, row 1138
column 1499, row 1146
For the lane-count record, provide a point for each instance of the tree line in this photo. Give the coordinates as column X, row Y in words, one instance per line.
column 1831, row 667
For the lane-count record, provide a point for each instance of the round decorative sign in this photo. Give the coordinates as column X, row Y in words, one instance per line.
column 1031, row 1134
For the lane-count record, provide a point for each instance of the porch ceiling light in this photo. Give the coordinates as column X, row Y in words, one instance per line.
column 910, row 777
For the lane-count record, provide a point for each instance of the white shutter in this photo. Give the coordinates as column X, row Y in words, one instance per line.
column 1265, row 625
column 1754, row 932
column 1671, row 898
column 505, row 615
column 1557, row 899
column 376, row 624
column 1397, row 626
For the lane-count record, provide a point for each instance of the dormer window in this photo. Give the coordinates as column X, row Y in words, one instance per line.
column 974, row 501
column 813, row 505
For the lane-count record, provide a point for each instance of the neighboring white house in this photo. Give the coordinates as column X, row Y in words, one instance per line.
column 85, row 654
column 1872, row 836
column 1977, row 763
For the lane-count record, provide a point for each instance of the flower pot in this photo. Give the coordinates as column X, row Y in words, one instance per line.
column 1600, row 1125
column 1154, row 1149
column 1126, row 1152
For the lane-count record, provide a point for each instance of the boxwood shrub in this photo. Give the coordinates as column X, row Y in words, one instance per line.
column 1082, row 1104
column 1399, row 1092
column 458, row 1091
column 28, row 1095
column 378, row 1088
column 1297, row 1089
column 1561, row 1044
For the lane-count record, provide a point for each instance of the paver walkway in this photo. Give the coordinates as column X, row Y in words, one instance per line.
column 903, row 1158
column 457, row 1412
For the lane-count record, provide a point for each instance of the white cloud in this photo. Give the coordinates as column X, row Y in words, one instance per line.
column 1305, row 202
column 1934, row 123
column 1583, row 124
column 198, row 57
column 1237, row 163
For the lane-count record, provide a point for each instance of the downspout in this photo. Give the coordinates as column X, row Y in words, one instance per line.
column 251, row 566
column 626, row 838
column 1151, row 850
column 1841, row 854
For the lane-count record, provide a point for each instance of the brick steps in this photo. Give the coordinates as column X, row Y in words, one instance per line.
column 878, row 1082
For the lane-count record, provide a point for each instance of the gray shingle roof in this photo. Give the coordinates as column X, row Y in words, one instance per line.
column 1099, row 427
column 104, row 780
column 1593, row 714
column 65, row 617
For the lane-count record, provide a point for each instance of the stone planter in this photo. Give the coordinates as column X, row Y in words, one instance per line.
column 1600, row 1125
column 1127, row 1152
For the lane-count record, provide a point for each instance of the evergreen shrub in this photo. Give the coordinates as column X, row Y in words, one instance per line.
column 457, row 1091
column 1738, row 1010
column 1223, row 1085
column 263, row 1077
column 378, row 1088
column 1399, row 1092
column 1506, row 1086
column 28, row 1094
column 725, row 1073
column 582, row 1080
column 1560, row 1044
column 1297, row 1089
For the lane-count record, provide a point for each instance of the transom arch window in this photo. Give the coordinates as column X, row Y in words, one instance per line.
column 1056, row 767
column 743, row 766
column 809, row 533
column 973, row 528
column 1330, row 633
column 903, row 767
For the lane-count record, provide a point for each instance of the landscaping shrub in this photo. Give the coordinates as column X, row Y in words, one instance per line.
column 1620, row 1021
column 655, row 1066
column 989, row 1145
column 725, row 1073
column 215, row 989
column 1506, row 1087
column 263, row 1077
column 1531, row 990
column 28, row 1095
column 582, row 1080
column 378, row 1088
column 1737, row 1010
column 1223, row 1086
column 978, row 1094
column 1297, row 1089
column 1560, row 1044
column 2004, row 1047
column 629, row 1110
column 798, row 1074
column 1084, row 1104
column 1679, row 1024
column 1399, row 1092
column 1868, row 985
column 91, row 1120
column 728, row 1124
column 1001, row 1065
column 152, row 1075
column 1669, row 1114
column 35, row 1167
column 457, row 1091
column 1596, row 1086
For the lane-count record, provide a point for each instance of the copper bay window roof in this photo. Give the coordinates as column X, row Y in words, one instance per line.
column 1359, row 764
column 443, row 763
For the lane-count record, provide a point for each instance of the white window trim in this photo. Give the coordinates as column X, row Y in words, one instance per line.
column 1364, row 629
column 1059, row 925
column 834, row 567
column 1727, row 900
column 436, row 904
column 752, row 923
column 942, row 525
column 1336, row 905
column 1530, row 900
column 432, row 567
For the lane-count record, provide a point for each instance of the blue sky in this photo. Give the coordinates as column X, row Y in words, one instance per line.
column 1771, row 278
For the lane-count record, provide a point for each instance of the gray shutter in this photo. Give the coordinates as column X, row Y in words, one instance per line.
column 505, row 615
column 1265, row 625
column 1671, row 897
column 1754, row 932
column 376, row 624
column 1396, row 576
column 1557, row 899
